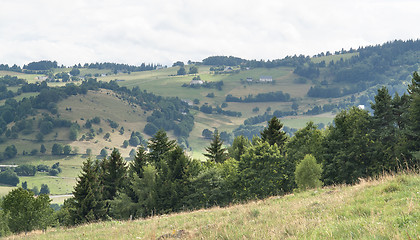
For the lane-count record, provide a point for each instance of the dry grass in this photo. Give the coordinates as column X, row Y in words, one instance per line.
column 383, row 208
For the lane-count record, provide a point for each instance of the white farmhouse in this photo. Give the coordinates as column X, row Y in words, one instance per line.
column 266, row 79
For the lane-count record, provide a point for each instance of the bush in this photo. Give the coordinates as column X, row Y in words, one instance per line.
column 308, row 173
column 53, row 172
column 67, row 150
column 104, row 152
column 44, row 189
column 10, row 152
column 34, row 152
column 57, row 149
column 9, row 177
column 150, row 129
column 125, row 144
column 88, row 151
column 25, row 170
column 42, row 168
column 134, row 141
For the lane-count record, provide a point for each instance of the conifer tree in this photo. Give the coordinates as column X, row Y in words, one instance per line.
column 388, row 125
column 216, row 151
column 113, row 175
column 414, row 112
column 273, row 133
column 87, row 205
column 139, row 162
column 159, row 145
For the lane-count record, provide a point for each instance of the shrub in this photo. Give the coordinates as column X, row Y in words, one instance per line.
column 53, row 172
column 9, row 177
column 308, row 172
column 25, row 170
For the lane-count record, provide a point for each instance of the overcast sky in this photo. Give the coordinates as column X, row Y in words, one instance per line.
column 164, row 31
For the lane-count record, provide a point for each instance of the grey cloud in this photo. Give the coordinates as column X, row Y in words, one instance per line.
column 165, row 31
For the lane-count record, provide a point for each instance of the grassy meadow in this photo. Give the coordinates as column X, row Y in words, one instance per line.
column 383, row 208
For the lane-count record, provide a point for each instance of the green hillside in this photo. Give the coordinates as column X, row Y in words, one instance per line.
column 318, row 88
column 384, row 208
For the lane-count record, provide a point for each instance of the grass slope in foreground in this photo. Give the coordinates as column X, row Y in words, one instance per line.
column 386, row 208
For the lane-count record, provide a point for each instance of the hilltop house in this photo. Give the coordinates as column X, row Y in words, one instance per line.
column 249, row 79
column 266, row 79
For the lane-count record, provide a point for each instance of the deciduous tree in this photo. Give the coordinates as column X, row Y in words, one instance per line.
column 26, row 213
column 308, row 173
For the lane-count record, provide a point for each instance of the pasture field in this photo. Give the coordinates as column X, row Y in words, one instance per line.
column 382, row 208
column 61, row 184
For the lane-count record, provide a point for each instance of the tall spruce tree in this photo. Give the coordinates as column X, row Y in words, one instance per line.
column 414, row 112
column 388, row 125
column 87, row 205
column 216, row 151
column 139, row 162
column 273, row 133
column 159, row 145
column 114, row 175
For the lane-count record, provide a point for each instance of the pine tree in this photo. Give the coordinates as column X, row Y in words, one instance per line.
column 139, row 162
column 216, row 151
column 383, row 117
column 159, row 145
column 273, row 134
column 414, row 112
column 87, row 204
column 113, row 175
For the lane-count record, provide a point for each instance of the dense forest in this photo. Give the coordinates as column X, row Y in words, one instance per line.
column 389, row 63
column 163, row 179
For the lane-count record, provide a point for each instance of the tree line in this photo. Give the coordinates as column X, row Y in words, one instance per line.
column 278, row 96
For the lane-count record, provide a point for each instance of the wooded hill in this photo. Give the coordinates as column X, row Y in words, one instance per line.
column 91, row 108
column 162, row 178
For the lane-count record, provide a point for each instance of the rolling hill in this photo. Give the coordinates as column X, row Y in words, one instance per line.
column 330, row 76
